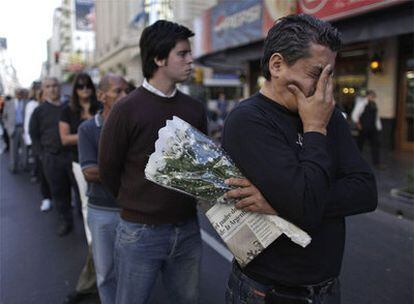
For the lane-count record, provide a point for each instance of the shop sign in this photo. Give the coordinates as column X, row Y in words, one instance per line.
column 3, row 43
column 338, row 9
column 235, row 23
column 84, row 11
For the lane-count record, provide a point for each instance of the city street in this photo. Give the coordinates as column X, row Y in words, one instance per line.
column 36, row 266
column 96, row 81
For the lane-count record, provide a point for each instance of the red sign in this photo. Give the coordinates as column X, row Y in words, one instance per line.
column 338, row 9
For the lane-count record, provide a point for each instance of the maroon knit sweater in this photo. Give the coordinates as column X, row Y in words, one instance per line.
column 128, row 139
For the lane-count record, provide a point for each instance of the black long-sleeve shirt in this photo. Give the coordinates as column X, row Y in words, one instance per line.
column 44, row 128
column 310, row 179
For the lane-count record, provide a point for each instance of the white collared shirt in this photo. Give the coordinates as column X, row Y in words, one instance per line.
column 360, row 104
column 154, row 90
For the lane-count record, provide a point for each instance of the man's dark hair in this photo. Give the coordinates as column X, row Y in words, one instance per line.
column 371, row 92
column 291, row 37
column 157, row 40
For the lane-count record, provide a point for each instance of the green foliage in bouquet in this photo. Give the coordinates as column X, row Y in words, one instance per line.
column 195, row 165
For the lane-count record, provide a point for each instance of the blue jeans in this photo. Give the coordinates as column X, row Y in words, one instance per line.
column 243, row 290
column 102, row 224
column 143, row 251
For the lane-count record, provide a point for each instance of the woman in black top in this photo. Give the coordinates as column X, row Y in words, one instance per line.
column 82, row 106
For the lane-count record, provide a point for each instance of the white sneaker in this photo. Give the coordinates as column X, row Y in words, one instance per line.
column 46, row 205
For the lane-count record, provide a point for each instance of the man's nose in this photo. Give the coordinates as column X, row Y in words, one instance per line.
column 189, row 58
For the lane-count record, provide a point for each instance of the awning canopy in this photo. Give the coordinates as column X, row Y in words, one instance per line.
column 388, row 22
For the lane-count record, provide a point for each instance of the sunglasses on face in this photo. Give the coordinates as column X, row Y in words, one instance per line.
column 83, row 86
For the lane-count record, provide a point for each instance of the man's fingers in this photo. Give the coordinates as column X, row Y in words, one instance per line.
column 238, row 193
column 329, row 91
column 238, row 182
column 297, row 92
column 244, row 203
column 323, row 80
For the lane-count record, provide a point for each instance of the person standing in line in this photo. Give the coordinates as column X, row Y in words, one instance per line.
column 37, row 173
column 31, row 105
column 103, row 211
column 366, row 118
column 82, row 106
column 13, row 119
column 301, row 162
column 158, row 231
column 56, row 160
column 3, row 133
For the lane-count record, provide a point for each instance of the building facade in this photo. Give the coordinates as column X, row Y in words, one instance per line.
column 71, row 48
column 8, row 77
column 377, row 53
column 119, row 25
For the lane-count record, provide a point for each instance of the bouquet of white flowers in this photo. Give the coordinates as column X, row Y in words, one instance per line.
column 188, row 161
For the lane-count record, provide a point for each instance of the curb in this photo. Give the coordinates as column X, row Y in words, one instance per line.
column 397, row 204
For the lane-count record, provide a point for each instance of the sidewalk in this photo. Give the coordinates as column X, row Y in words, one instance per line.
column 394, row 176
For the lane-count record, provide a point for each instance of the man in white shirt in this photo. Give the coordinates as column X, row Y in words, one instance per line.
column 366, row 118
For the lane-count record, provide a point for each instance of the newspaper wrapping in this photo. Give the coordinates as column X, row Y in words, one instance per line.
column 186, row 160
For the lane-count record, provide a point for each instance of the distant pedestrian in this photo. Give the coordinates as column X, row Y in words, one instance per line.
column 103, row 211
column 32, row 104
column 3, row 132
column 56, row 160
column 222, row 105
column 34, row 150
column 366, row 118
column 158, row 232
column 13, row 119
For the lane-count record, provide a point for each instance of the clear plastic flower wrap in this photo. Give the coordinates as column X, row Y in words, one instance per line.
column 188, row 161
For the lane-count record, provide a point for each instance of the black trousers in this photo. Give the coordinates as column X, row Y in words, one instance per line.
column 373, row 138
column 58, row 172
column 40, row 174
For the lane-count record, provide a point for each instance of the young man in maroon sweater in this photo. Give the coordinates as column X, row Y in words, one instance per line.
column 158, row 231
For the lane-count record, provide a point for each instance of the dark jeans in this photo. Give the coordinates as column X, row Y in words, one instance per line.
column 243, row 290
column 58, row 171
column 373, row 138
column 16, row 143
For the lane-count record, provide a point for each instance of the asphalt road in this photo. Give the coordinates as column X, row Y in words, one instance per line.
column 38, row 267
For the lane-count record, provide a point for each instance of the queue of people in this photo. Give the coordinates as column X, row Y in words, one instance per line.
column 293, row 146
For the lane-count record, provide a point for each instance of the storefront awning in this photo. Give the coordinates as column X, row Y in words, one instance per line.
column 388, row 22
column 392, row 21
column 234, row 59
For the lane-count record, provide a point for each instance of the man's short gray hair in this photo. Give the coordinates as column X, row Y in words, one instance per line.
column 49, row 78
column 105, row 82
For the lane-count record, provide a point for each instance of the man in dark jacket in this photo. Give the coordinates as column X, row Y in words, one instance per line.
column 296, row 148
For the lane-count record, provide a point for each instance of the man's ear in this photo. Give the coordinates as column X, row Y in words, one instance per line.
column 275, row 65
column 160, row 62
